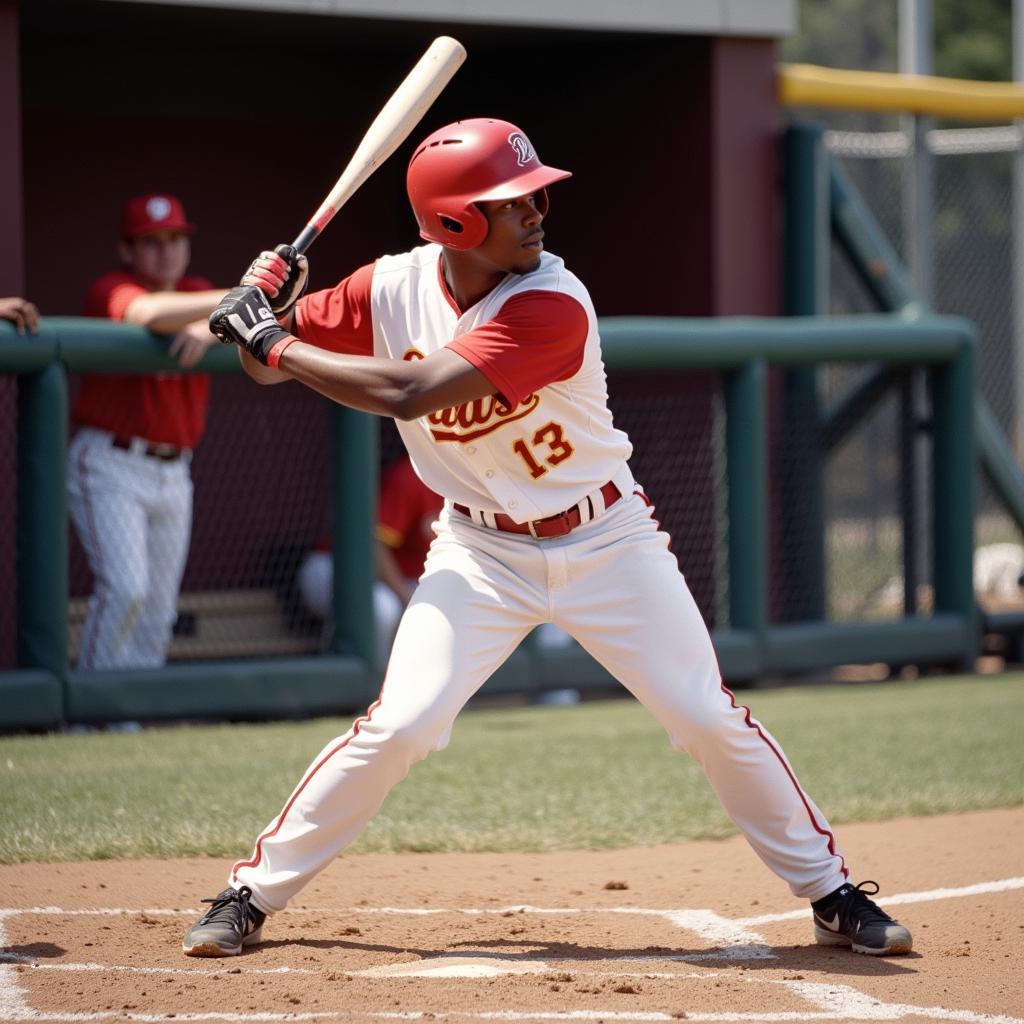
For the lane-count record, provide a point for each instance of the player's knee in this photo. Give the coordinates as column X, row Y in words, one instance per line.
column 702, row 726
column 704, row 718
column 129, row 593
column 413, row 738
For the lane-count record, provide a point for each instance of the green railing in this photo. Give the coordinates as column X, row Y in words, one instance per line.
column 822, row 203
column 43, row 690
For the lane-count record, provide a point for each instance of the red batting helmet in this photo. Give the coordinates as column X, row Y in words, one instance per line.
column 470, row 162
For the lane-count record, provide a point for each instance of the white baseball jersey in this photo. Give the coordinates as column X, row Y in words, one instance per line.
column 529, row 454
column 546, row 438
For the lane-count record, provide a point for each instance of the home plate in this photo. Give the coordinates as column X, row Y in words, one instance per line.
column 456, row 967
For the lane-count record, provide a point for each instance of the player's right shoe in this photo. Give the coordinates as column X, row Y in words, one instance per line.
column 231, row 923
column 847, row 917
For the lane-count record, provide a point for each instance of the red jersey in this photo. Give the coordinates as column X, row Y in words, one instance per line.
column 405, row 510
column 164, row 408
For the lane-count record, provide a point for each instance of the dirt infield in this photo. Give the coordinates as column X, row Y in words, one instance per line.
column 699, row 931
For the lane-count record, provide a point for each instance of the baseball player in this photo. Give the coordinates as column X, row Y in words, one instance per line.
column 129, row 484
column 485, row 349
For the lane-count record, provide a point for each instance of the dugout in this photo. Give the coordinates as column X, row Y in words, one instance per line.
column 665, row 113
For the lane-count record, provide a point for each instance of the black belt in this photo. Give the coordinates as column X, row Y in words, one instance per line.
column 164, row 452
column 550, row 526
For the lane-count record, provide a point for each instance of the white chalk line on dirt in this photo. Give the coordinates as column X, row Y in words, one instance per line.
column 929, row 896
column 836, row 1002
column 694, row 920
column 832, row 1002
column 33, row 964
column 488, row 970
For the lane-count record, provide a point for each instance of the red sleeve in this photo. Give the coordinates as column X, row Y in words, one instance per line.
column 111, row 295
column 338, row 318
column 195, row 284
column 535, row 339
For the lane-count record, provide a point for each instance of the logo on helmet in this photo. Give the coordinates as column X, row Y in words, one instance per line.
column 524, row 150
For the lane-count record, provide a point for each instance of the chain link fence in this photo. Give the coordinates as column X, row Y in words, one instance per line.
column 675, row 422
column 260, row 477
column 973, row 275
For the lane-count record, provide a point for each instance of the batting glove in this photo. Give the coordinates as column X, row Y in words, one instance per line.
column 244, row 317
column 282, row 275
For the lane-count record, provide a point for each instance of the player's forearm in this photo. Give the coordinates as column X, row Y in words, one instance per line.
column 167, row 312
column 258, row 372
column 403, row 389
column 384, row 387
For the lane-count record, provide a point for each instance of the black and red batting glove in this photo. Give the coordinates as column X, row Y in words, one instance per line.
column 282, row 275
column 244, row 318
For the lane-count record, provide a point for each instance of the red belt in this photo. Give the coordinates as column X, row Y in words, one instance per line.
column 166, row 452
column 551, row 526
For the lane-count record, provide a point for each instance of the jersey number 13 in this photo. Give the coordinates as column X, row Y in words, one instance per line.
column 547, row 445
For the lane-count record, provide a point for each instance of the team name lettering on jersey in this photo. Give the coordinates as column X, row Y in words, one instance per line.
column 472, row 420
column 562, row 442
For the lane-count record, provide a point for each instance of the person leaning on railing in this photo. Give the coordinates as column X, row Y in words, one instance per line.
column 129, row 480
column 22, row 313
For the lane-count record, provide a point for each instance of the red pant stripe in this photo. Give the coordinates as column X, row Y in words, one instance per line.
column 257, row 855
column 792, row 778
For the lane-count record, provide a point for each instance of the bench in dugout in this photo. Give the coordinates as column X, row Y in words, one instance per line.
column 224, row 624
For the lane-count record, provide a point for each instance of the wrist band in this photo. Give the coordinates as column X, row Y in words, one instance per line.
column 274, row 355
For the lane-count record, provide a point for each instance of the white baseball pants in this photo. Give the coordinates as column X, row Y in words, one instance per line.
column 133, row 514
column 615, row 587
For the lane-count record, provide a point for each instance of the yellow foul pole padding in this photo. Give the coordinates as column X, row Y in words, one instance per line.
column 807, row 85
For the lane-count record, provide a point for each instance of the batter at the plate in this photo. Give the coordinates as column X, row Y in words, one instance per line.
column 485, row 349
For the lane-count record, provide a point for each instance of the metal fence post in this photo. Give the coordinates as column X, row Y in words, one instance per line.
column 354, row 472
column 43, row 521
column 746, row 448
column 806, row 294
column 953, row 492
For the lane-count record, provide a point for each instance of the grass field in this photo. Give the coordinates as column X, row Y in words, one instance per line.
column 593, row 776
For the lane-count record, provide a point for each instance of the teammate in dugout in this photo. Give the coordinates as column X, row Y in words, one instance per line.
column 129, row 481
column 485, row 349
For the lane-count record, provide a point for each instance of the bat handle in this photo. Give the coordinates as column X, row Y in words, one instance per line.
column 309, row 235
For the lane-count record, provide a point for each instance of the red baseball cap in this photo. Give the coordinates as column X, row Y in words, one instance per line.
column 156, row 211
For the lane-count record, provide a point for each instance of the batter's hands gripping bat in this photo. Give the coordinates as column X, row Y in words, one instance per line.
column 282, row 274
column 390, row 128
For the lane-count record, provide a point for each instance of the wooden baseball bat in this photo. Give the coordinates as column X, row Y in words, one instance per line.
column 390, row 128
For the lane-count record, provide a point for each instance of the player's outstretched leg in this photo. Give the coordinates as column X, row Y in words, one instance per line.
column 847, row 917
column 458, row 628
column 659, row 648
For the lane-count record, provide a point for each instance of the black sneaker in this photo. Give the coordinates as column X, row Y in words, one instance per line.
column 847, row 917
column 231, row 923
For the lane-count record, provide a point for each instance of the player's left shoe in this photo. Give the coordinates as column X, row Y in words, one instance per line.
column 847, row 917
column 231, row 923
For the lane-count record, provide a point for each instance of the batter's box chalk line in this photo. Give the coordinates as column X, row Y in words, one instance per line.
column 830, row 1002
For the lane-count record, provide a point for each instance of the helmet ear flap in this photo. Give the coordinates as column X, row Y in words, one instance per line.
column 450, row 224
column 541, row 202
column 465, row 232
